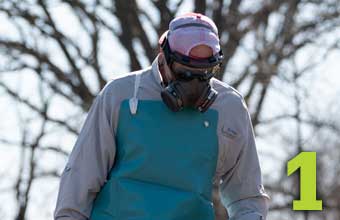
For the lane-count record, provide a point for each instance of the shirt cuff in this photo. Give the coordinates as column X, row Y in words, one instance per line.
column 254, row 208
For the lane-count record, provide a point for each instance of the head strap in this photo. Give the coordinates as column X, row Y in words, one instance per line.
column 172, row 56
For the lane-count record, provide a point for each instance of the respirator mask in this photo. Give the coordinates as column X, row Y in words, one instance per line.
column 191, row 84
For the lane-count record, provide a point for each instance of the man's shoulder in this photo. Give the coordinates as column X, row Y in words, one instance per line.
column 232, row 109
column 123, row 79
column 226, row 92
column 122, row 83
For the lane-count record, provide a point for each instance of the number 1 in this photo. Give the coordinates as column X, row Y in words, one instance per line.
column 306, row 161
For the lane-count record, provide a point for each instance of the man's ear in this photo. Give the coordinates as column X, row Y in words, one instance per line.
column 161, row 58
column 163, row 67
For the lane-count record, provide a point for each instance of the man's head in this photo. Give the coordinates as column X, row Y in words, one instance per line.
column 189, row 32
column 191, row 41
column 191, row 54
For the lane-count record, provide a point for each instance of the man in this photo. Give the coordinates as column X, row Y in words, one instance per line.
column 156, row 140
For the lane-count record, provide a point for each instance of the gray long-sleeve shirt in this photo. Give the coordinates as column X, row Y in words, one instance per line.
column 237, row 170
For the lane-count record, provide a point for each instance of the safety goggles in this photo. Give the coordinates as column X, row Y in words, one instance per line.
column 173, row 56
column 197, row 63
column 186, row 73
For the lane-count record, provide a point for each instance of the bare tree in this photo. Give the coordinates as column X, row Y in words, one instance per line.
column 259, row 40
column 313, row 132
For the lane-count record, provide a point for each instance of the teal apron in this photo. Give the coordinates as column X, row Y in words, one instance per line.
column 164, row 165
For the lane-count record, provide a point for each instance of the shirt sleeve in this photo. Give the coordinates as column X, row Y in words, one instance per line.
column 89, row 163
column 241, row 188
column 254, row 208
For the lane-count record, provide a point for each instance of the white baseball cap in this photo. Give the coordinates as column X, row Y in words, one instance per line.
column 190, row 30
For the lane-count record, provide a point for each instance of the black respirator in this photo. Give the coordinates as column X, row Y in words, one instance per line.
column 190, row 88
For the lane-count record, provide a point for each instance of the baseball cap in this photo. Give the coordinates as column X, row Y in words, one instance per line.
column 190, row 30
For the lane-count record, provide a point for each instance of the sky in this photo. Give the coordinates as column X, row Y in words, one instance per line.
column 324, row 88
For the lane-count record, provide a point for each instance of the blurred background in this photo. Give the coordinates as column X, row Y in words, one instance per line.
column 56, row 55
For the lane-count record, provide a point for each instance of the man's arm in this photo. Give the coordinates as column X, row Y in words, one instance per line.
column 89, row 163
column 241, row 189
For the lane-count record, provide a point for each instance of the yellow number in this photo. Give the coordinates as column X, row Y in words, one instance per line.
column 306, row 161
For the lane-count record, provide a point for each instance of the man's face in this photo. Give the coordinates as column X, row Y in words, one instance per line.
column 199, row 52
column 181, row 70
